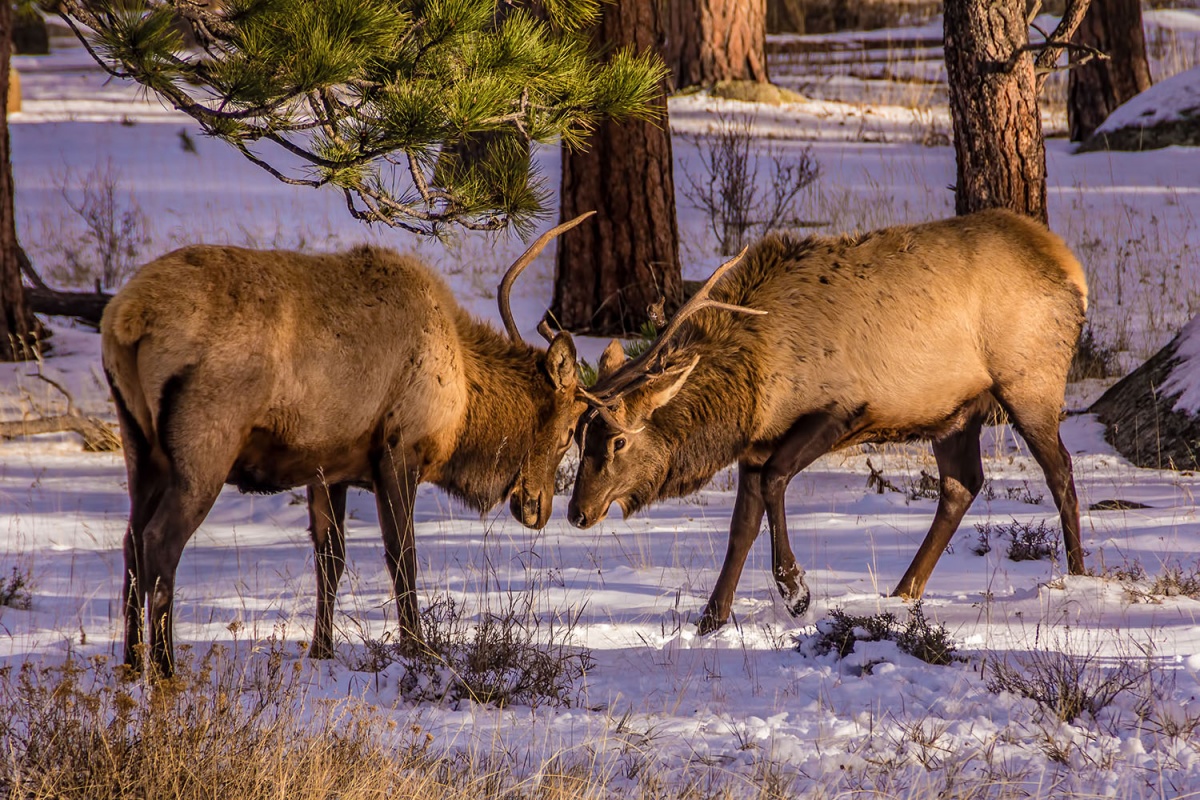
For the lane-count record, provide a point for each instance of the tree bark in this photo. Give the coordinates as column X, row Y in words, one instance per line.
column 715, row 40
column 1096, row 88
column 998, row 140
column 626, row 257
column 20, row 333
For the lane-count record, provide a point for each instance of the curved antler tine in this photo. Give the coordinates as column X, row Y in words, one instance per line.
column 545, row 330
column 700, row 300
column 520, row 264
column 601, row 409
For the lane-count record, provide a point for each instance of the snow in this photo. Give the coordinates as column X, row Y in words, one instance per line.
column 1177, row 98
column 1183, row 383
column 742, row 702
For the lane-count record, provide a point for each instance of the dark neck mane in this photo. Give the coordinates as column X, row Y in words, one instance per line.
column 707, row 425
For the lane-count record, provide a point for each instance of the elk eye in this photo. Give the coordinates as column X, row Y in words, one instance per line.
column 619, row 443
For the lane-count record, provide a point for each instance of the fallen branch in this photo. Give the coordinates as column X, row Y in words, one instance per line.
column 98, row 436
column 85, row 306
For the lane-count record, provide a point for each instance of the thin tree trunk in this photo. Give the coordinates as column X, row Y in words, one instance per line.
column 785, row 16
column 626, row 257
column 19, row 334
column 993, row 104
column 1095, row 89
column 715, row 40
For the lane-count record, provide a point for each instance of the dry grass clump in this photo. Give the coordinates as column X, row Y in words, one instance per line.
column 1027, row 541
column 508, row 656
column 1064, row 684
column 917, row 636
column 1093, row 358
column 1177, row 581
column 15, row 590
column 228, row 725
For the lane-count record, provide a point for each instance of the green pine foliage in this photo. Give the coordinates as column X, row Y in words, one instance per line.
column 367, row 95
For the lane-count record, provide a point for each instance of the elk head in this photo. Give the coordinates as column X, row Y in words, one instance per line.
column 532, row 494
column 625, row 446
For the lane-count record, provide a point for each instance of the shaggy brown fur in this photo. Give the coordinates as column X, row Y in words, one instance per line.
column 913, row 332
column 270, row 370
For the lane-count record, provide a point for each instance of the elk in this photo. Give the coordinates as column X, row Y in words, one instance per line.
column 911, row 332
column 270, row 370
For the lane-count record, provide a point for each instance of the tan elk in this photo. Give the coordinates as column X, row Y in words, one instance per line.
column 270, row 370
column 912, row 332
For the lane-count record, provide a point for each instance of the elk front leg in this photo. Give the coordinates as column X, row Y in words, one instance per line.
column 743, row 530
column 808, row 439
column 396, row 477
column 326, row 519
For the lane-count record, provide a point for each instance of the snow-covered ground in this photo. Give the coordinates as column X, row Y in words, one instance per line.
column 742, row 703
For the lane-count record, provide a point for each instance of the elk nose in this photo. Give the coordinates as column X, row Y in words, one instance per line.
column 528, row 510
column 576, row 516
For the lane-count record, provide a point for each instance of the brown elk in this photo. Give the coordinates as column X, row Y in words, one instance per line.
column 913, row 332
column 270, row 370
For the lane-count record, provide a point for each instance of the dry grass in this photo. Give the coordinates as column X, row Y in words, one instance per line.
column 1067, row 685
column 916, row 636
column 230, row 727
column 16, row 591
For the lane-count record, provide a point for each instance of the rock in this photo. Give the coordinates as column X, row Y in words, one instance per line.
column 1152, row 415
column 1166, row 114
column 756, row 92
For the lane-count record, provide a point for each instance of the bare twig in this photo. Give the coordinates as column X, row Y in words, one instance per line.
column 1059, row 40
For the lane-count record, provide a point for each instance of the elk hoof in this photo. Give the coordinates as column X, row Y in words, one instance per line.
column 320, row 651
column 795, row 595
column 709, row 622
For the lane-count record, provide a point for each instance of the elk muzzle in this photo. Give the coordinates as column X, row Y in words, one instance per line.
column 530, row 508
column 584, row 517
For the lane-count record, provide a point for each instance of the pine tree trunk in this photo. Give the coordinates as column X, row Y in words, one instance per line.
column 993, row 103
column 626, row 257
column 20, row 327
column 1095, row 89
column 715, row 40
column 785, row 16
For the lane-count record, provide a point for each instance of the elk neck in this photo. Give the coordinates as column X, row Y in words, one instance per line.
column 708, row 424
column 507, row 396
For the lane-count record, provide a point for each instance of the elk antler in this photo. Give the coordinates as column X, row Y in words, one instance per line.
column 601, row 408
column 639, row 375
column 520, row 264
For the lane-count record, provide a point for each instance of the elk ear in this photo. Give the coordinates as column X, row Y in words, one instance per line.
column 667, row 385
column 560, row 362
column 611, row 360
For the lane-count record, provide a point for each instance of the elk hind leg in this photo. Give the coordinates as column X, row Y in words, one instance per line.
column 197, row 454
column 960, row 477
column 326, row 520
column 184, row 505
column 146, row 475
column 1037, row 422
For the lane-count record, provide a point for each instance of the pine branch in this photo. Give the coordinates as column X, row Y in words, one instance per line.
column 366, row 93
